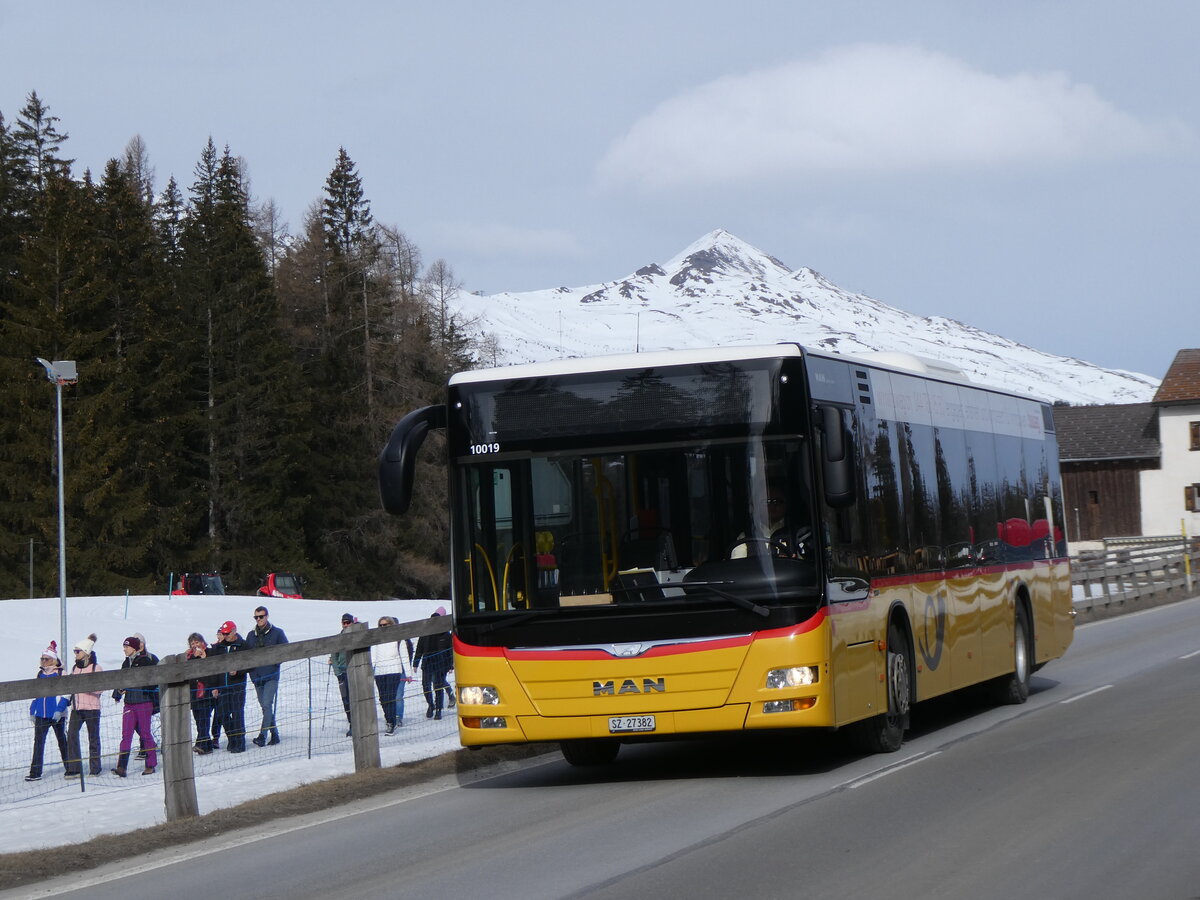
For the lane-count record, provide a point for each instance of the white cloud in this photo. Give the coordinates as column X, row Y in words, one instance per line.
column 511, row 240
column 872, row 107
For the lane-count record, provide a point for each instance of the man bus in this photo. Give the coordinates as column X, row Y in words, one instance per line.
column 689, row 542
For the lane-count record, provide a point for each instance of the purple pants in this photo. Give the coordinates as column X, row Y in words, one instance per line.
column 136, row 717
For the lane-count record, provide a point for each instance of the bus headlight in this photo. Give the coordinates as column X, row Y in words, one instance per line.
column 478, row 696
column 796, row 676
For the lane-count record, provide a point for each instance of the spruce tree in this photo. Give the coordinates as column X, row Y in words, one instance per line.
column 39, row 250
column 39, row 141
column 249, row 434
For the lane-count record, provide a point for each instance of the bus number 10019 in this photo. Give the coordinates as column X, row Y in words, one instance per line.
column 478, row 449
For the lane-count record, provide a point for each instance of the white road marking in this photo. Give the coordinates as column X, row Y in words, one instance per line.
column 888, row 770
column 1085, row 694
column 170, row 856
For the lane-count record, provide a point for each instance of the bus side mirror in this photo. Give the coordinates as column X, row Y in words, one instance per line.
column 837, row 458
column 399, row 457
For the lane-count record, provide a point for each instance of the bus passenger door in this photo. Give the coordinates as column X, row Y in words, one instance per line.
column 966, row 633
column 935, row 625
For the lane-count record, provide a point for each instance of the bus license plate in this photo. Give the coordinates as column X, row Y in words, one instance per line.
column 618, row 724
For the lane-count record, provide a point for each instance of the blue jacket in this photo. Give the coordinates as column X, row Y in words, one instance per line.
column 47, row 707
column 256, row 640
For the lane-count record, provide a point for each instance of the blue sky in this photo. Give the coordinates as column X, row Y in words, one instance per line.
column 1029, row 168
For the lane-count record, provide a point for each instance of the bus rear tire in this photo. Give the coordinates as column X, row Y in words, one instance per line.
column 1013, row 689
column 590, row 751
column 885, row 733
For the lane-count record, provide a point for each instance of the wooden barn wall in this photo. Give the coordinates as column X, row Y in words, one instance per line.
column 1102, row 499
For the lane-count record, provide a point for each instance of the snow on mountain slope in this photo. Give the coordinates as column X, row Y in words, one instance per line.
column 720, row 291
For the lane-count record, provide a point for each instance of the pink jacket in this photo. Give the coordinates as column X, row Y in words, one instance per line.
column 91, row 699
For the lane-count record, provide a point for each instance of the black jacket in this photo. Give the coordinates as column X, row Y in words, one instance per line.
column 146, row 694
column 236, row 678
column 434, row 653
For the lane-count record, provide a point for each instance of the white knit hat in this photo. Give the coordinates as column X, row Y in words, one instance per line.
column 86, row 644
column 52, row 651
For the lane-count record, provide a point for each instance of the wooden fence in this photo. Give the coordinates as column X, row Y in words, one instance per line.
column 173, row 673
column 1131, row 574
column 1119, row 579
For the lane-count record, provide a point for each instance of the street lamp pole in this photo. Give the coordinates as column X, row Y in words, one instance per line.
column 61, row 372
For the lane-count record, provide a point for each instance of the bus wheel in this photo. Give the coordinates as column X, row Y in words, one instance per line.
column 590, row 751
column 1013, row 688
column 885, row 733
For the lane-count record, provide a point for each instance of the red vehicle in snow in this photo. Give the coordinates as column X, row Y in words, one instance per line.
column 199, row 583
column 281, row 584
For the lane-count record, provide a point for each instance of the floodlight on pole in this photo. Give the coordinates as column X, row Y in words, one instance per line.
column 61, row 371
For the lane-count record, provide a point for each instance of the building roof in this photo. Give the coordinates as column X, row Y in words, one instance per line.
column 1182, row 381
column 1107, row 432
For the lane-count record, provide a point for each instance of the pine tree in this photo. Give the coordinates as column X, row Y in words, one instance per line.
column 39, row 140
column 39, row 245
column 118, row 400
column 252, row 416
column 15, row 195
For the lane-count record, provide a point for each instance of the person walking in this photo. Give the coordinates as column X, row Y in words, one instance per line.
column 434, row 657
column 391, row 676
column 47, row 715
column 265, row 678
column 85, row 710
column 202, row 696
column 139, row 707
column 339, row 663
column 231, row 703
column 141, row 754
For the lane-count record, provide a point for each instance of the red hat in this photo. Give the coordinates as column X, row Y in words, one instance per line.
column 132, row 642
column 227, row 628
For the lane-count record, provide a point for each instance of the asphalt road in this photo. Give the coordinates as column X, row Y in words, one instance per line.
column 1088, row 790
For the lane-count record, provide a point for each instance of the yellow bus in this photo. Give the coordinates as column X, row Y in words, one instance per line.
column 678, row 543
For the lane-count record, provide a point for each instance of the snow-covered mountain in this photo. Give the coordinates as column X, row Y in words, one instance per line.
column 721, row 291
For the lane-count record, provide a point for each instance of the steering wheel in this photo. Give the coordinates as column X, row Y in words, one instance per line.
column 777, row 546
column 798, row 542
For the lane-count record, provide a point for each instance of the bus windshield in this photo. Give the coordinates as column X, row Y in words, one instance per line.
column 724, row 523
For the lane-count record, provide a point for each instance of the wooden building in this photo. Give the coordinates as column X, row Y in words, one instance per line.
column 1133, row 469
column 1103, row 451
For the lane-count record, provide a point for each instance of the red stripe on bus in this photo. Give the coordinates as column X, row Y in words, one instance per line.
column 967, row 572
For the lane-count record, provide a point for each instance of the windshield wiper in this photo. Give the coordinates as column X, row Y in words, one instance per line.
column 732, row 598
column 515, row 618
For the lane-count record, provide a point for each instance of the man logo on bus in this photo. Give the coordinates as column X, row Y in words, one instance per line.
column 629, row 686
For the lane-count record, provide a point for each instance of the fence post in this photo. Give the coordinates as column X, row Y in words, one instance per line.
column 179, row 777
column 364, row 723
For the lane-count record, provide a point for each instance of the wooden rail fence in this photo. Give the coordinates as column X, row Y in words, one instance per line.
column 1131, row 574
column 173, row 673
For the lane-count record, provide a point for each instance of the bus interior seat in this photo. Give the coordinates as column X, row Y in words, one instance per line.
column 637, row 587
column 647, row 548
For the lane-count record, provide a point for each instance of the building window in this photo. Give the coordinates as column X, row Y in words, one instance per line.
column 1191, row 497
column 1094, row 498
column 1194, row 428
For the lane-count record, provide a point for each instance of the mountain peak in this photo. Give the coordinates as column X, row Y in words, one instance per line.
column 721, row 253
column 721, row 291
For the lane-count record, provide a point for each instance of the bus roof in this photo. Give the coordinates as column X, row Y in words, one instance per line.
column 617, row 362
column 891, row 360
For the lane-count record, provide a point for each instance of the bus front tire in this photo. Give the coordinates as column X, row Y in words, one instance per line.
column 590, row 751
column 885, row 733
column 1013, row 689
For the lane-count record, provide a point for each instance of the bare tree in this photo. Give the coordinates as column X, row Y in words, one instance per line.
column 272, row 233
column 441, row 287
column 135, row 162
